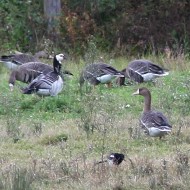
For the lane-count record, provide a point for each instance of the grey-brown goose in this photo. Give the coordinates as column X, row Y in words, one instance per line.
column 49, row 84
column 14, row 60
column 154, row 122
column 99, row 73
column 142, row 71
column 29, row 71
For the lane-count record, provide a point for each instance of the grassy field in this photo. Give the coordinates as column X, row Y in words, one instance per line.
column 55, row 142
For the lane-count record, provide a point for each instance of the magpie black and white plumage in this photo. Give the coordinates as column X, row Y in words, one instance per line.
column 142, row 71
column 47, row 84
column 99, row 73
column 154, row 123
column 115, row 158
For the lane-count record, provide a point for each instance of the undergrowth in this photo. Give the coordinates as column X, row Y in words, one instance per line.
column 56, row 142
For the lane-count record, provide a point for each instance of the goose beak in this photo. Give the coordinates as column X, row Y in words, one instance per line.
column 65, row 57
column 136, row 93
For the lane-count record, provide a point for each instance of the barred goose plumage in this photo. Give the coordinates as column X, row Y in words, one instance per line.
column 99, row 73
column 142, row 71
column 154, row 123
column 47, row 84
column 29, row 71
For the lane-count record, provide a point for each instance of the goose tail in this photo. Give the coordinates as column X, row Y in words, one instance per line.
column 166, row 128
column 165, row 73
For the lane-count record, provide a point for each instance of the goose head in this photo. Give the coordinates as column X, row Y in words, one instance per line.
column 147, row 97
column 142, row 91
column 60, row 57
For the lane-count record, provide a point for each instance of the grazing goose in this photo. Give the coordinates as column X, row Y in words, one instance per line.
column 14, row 60
column 142, row 71
column 29, row 71
column 97, row 73
column 47, row 84
column 154, row 122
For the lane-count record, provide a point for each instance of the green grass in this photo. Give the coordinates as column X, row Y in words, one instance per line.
column 54, row 142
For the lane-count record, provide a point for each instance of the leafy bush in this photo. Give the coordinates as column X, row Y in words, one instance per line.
column 22, row 24
column 133, row 27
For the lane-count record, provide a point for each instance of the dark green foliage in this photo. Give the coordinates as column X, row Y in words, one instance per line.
column 22, row 24
column 135, row 26
column 121, row 26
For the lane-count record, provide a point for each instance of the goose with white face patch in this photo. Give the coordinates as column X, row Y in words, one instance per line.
column 99, row 73
column 142, row 71
column 154, row 123
column 49, row 84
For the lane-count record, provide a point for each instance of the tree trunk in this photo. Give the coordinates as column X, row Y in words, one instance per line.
column 52, row 12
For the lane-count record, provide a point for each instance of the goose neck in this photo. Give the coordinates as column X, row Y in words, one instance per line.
column 147, row 102
column 56, row 65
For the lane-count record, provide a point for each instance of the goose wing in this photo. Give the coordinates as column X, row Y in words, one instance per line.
column 136, row 69
column 135, row 75
column 41, row 82
column 155, row 119
column 99, row 69
column 156, row 69
column 107, row 69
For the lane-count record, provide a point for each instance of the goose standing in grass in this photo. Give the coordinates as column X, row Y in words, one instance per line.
column 154, row 122
column 47, row 84
column 142, row 71
column 99, row 73
column 29, row 71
